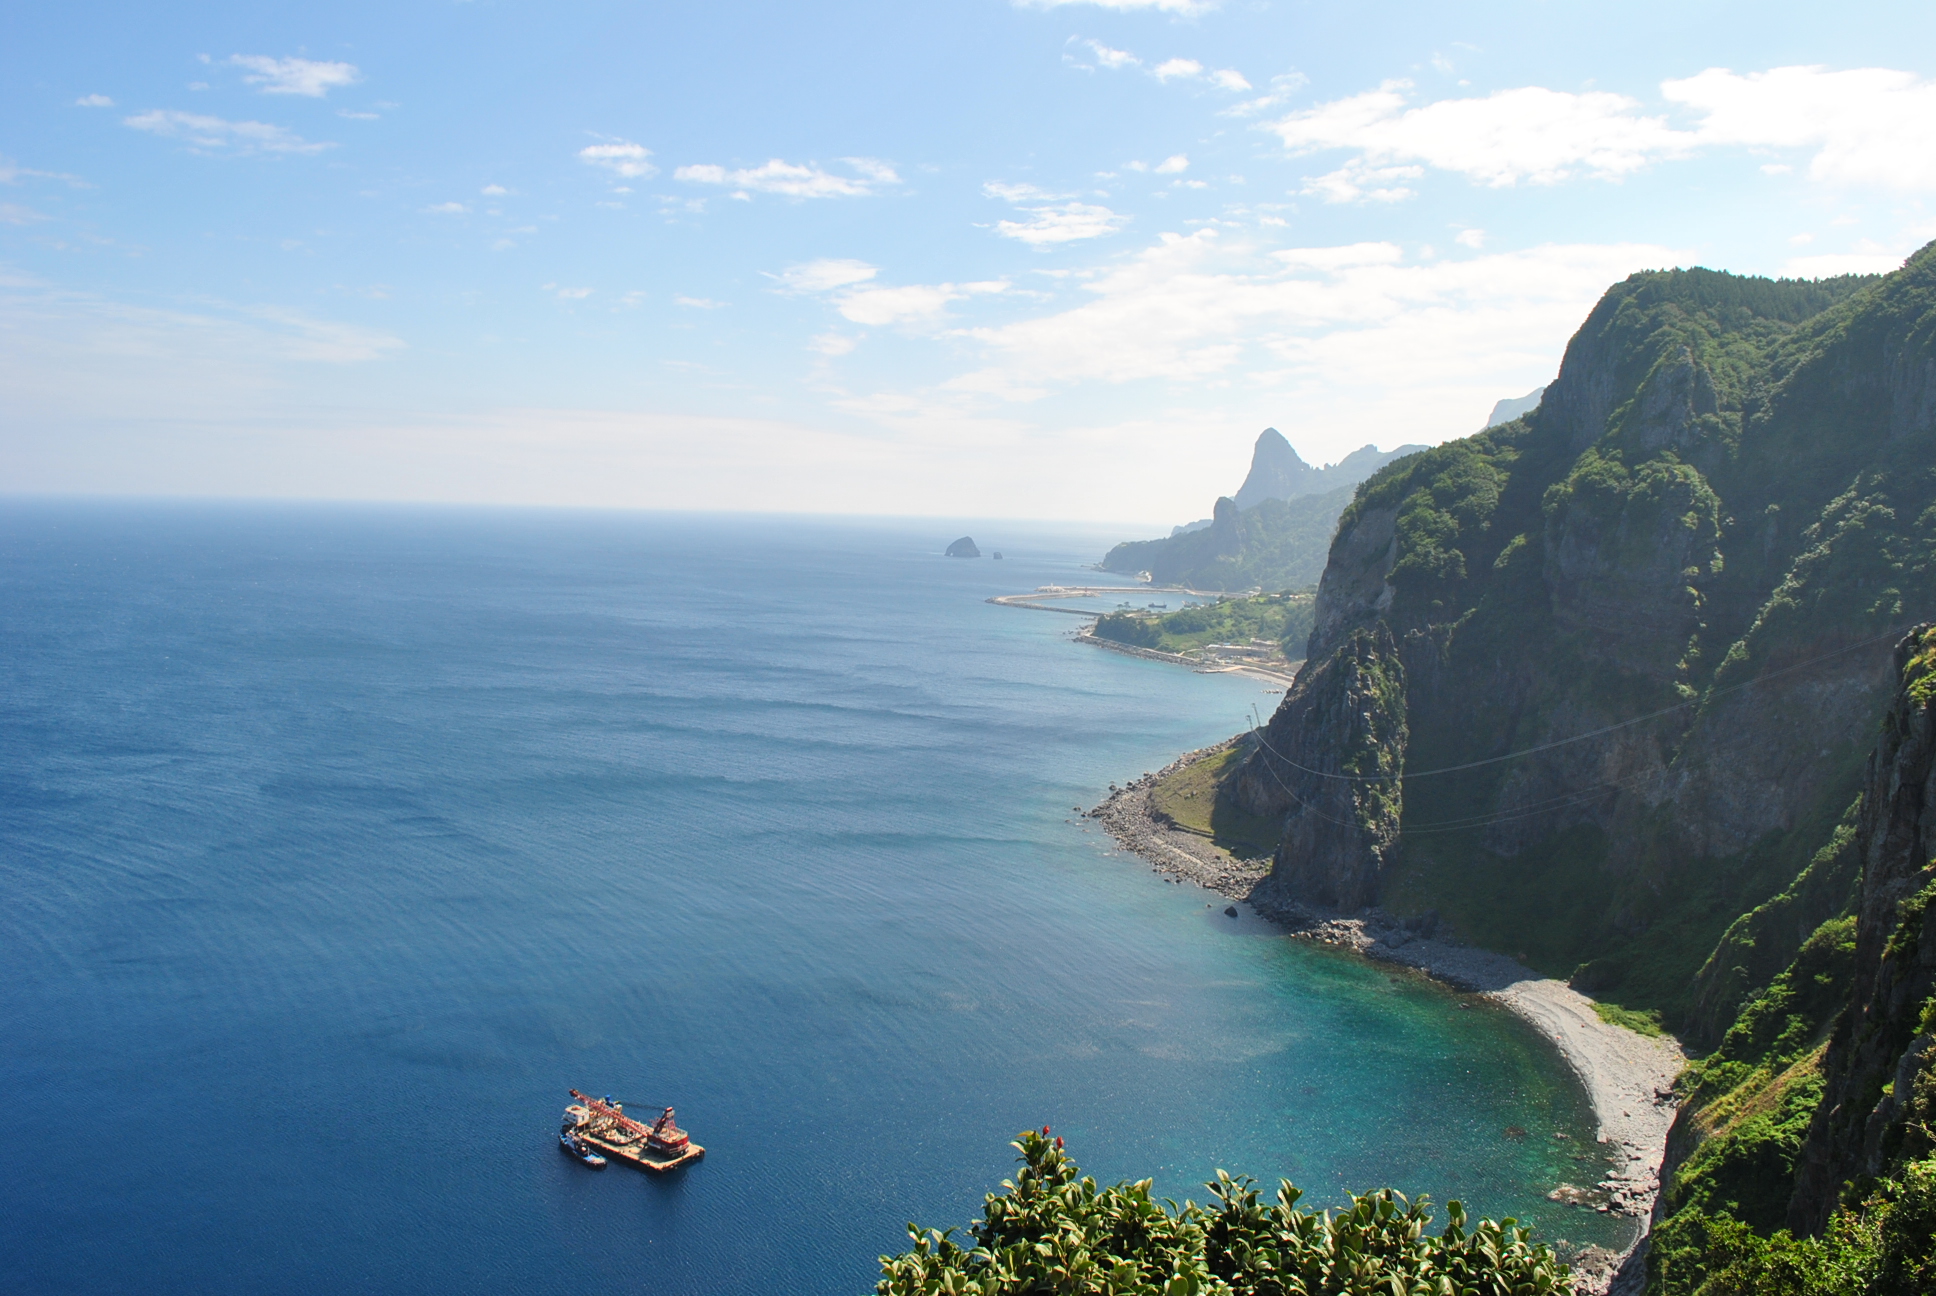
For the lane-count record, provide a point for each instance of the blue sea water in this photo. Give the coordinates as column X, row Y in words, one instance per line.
column 337, row 842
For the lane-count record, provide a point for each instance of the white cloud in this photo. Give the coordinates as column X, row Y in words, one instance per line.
column 1530, row 134
column 94, row 101
column 832, row 344
column 1472, row 238
column 1869, row 126
column 824, row 275
column 620, row 157
column 448, row 209
column 1229, row 79
column 295, row 76
column 12, row 172
column 1356, row 181
column 1344, row 257
column 1173, row 69
column 1283, row 86
column 568, row 294
column 494, row 191
column 908, row 304
column 1063, row 223
column 1353, row 322
column 206, row 132
column 1113, row 58
column 699, row 303
column 794, row 180
column 1019, row 193
column 1173, row 164
column 15, row 214
column 1866, row 126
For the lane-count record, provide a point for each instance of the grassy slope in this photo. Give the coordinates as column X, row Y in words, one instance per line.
column 1285, row 619
column 1190, row 798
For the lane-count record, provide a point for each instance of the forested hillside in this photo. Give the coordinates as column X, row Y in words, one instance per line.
column 1598, row 686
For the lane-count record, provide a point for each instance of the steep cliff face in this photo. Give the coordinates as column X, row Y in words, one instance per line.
column 1880, row 1090
column 1820, row 1096
column 1640, row 635
column 1328, row 763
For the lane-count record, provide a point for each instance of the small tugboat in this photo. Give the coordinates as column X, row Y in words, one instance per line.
column 569, row 1144
column 600, row 1126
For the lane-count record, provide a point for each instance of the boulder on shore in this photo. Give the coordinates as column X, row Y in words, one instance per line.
column 964, row 548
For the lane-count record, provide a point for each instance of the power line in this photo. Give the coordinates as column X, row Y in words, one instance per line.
column 1592, row 733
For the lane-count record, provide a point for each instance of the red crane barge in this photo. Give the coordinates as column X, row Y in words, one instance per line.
column 604, row 1126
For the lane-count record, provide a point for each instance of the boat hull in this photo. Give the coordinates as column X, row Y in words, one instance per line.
column 645, row 1158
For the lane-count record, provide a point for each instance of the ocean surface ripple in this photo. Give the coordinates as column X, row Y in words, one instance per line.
column 337, row 842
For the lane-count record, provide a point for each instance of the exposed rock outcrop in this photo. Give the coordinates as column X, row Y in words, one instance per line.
column 1876, row 1072
column 1271, row 535
column 964, row 548
column 1640, row 636
column 1328, row 762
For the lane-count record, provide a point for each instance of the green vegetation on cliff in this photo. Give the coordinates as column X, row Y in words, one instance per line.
column 1645, row 733
column 1694, row 549
column 1051, row 1230
column 1284, row 619
column 1813, row 1115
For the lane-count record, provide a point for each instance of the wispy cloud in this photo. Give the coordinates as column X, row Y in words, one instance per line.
column 909, row 303
column 296, row 76
column 15, row 214
column 1112, row 58
column 1172, row 69
column 1866, row 126
column 1359, row 181
column 620, row 157
column 1174, row 164
column 94, row 101
column 12, row 172
column 824, row 275
column 794, row 180
column 851, row 286
column 1019, row 193
column 448, row 209
column 1229, row 79
column 699, row 303
column 1282, row 87
column 1062, row 223
column 214, row 133
column 1336, row 319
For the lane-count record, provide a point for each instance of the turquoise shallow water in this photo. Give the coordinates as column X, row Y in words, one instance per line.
column 337, row 842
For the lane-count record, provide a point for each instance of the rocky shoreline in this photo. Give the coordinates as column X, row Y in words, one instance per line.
column 1628, row 1077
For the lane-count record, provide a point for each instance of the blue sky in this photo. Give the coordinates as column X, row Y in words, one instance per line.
column 966, row 257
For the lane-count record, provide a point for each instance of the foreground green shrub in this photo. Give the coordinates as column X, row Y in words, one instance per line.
column 1054, row 1231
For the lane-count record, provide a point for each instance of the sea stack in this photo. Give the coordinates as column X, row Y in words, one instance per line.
column 964, row 548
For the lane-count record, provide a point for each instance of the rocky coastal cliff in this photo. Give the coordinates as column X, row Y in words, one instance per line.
column 1610, row 688
column 1640, row 635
